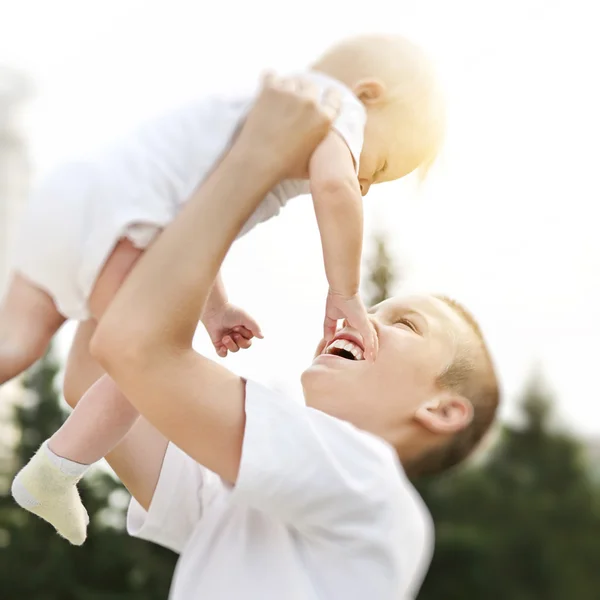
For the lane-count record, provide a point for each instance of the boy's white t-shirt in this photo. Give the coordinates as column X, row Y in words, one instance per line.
column 320, row 511
column 137, row 185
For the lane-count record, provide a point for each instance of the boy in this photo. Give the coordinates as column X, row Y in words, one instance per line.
column 389, row 124
column 265, row 496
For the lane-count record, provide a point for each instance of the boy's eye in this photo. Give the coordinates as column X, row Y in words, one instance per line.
column 408, row 324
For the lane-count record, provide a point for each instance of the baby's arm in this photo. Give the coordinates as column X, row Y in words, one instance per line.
column 230, row 328
column 217, row 297
column 338, row 207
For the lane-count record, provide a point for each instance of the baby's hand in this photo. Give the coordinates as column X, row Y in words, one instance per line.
column 230, row 328
column 353, row 310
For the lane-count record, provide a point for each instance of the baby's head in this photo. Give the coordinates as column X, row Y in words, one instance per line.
column 395, row 81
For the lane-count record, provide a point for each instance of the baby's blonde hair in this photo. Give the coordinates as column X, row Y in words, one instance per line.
column 408, row 75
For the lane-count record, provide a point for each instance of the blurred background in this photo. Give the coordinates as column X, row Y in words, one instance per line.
column 506, row 223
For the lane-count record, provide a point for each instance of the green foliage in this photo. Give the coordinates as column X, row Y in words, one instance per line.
column 382, row 273
column 36, row 564
column 523, row 525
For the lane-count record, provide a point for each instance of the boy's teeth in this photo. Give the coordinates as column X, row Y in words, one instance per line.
column 348, row 346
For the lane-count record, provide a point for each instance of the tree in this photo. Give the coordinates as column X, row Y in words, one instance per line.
column 382, row 273
column 35, row 563
column 524, row 524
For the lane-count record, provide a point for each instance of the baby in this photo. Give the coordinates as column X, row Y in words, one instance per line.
column 90, row 222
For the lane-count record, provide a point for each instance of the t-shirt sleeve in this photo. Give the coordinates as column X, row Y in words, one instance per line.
column 310, row 470
column 177, row 504
column 333, row 483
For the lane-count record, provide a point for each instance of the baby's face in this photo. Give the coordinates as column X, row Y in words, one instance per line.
column 391, row 148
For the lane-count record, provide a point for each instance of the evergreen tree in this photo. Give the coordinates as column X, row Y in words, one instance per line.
column 35, row 563
column 382, row 273
column 525, row 524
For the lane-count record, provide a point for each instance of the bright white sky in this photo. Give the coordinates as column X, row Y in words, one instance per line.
column 505, row 224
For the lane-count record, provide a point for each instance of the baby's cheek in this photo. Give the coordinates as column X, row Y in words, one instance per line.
column 365, row 168
column 368, row 162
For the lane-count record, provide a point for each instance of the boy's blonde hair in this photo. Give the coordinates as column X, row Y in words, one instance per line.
column 472, row 375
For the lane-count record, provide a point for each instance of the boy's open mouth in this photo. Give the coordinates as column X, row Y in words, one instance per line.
column 345, row 348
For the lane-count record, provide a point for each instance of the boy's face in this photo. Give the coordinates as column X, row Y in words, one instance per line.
column 392, row 148
column 417, row 341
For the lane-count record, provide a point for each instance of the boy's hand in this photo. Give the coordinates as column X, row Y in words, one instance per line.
column 353, row 310
column 230, row 328
column 288, row 120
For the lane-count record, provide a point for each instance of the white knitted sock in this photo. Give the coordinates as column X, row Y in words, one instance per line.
column 47, row 487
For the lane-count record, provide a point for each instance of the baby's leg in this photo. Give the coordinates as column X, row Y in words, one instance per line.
column 28, row 320
column 103, row 416
column 100, row 421
column 42, row 487
column 47, row 485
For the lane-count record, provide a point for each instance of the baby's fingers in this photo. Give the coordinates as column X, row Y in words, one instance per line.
column 367, row 332
column 220, row 350
column 243, row 342
column 322, row 345
column 329, row 329
column 230, row 343
column 244, row 332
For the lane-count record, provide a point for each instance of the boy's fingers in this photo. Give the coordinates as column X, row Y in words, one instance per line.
column 268, row 79
column 307, row 88
column 332, row 103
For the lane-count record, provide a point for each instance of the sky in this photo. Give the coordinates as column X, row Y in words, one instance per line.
column 506, row 223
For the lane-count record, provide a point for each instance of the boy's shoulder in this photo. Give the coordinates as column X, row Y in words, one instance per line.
column 358, row 453
column 350, row 479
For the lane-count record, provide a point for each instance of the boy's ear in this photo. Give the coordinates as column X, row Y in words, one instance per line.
column 445, row 414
